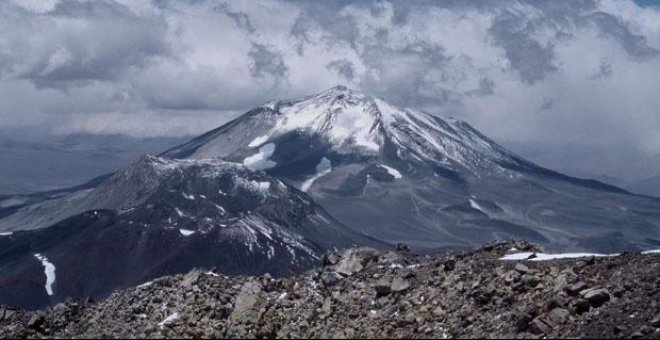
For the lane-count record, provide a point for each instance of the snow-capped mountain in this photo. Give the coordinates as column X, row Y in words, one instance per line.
column 159, row 217
column 404, row 175
column 350, row 124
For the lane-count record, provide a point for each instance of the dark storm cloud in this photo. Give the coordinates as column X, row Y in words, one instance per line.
column 526, row 55
column 342, row 67
column 267, row 63
column 612, row 27
column 242, row 19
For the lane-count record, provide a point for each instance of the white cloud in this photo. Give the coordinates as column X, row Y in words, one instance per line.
column 557, row 71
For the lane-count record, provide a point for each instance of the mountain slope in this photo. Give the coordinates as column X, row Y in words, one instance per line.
column 168, row 217
column 407, row 176
column 648, row 186
column 387, row 295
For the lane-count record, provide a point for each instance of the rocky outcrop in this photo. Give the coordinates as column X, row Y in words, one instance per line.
column 362, row 293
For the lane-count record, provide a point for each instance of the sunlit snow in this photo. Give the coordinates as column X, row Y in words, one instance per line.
column 49, row 270
column 260, row 160
column 548, row 257
column 323, row 168
column 392, row 171
column 186, row 232
column 258, row 141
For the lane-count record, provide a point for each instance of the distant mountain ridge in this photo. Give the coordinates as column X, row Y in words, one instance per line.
column 408, row 176
column 274, row 189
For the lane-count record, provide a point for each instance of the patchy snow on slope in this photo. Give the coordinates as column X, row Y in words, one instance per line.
column 260, row 160
column 170, row 319
column 146, row 284
column 476, row 205
column 186, row 232
column 12, row 202
column 392, row 171
column 9, row 233
column 548, row 257
column 252, row 185
column 179, row 212
column 49, row 270
column 323, row 168
column 188, row 197
column 258, row 141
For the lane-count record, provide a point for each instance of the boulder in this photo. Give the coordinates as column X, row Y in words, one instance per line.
column 596, row 296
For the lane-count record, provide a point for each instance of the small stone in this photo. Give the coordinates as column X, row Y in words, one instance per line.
column 656, row 322
column 382, row 287
column 559, row 315
column 329, row 278
column 538, row 326
column 582, row 305
column 399, row 285
column 521, row 268
column 530, row 280
column 597, row 296
column 402, row 248
column 439, row 312
column 576, row 288
column 521, row 322
column 449, row 265
column 637, row 335
column 36, row 321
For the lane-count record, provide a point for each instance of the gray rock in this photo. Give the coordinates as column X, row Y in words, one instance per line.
column 521, row 322
column 559, row 315
column 539, row 326
column 581, row 306
column 597, row 296
column 383, row 287
column 399, row 285
column 36, row 321
column 353, row 260
column 521, row 268
column 248, row 304
column 190, row 279
column 656, row 322
column 576, row 288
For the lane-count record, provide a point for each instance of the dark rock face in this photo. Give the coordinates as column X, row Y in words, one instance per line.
column 183, row 215
column 392, row 295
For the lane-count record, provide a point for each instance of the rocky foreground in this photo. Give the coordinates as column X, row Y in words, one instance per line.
column 364, row 293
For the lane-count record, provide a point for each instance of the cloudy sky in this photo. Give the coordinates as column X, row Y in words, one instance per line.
column 575, row 75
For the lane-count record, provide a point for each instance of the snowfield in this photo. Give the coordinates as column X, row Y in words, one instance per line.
column 549, row 257
column 322, row 169
column 186, row 232
column 392, row 171
column 260, row 160
column 49, row 270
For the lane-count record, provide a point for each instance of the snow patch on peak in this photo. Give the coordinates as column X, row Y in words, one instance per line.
column 323, row 168
column 345, row 117
column 260, row 160
column 476, row 205
column 392, row 171
column 258, row 141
